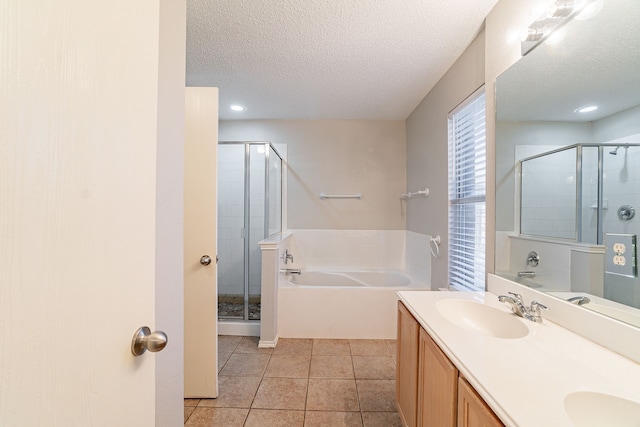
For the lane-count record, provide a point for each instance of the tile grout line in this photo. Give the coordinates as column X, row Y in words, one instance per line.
column 257, row 388
column 355, row 380
column 314, row 344
column 306, row 397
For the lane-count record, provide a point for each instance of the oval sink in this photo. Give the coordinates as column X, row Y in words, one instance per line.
column 591, row 409
column 482, row 318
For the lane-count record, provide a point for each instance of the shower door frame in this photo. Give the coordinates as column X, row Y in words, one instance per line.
column 246, row 233
column 600, row 190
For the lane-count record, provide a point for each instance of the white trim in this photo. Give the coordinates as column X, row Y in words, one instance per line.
column 268, row 344
column 244, row 329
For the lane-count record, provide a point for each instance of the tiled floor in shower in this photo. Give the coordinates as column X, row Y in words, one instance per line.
column 302, row 382
column 230, row 310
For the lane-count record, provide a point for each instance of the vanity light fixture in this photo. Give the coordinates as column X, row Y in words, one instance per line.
column 560, row 12
column 586, row 109
column 238, row 108
column 562, row 9
column 533, row 35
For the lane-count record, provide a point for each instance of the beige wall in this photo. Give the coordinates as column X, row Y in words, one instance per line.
column 336, row 157
column 427, row 137
column 340, row 156
column 169, row 212
column 493, row 51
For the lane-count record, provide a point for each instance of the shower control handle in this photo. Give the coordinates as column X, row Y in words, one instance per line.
column 626, row 212
column 205, row 260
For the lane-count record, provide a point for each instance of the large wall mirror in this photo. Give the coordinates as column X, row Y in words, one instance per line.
column 568, row 181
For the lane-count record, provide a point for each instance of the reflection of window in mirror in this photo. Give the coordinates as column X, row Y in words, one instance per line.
column 467, row 192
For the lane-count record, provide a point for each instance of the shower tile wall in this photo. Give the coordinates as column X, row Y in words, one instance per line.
column 230, row 219
column 590, row 194
column 622, row 187
column 549, row 196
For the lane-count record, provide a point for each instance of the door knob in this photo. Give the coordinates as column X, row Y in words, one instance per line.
column 144, row 340
column 205, row 260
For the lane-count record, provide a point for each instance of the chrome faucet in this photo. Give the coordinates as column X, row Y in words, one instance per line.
column 579, row 300
column 290, row 271
column 516, row 303
column 517, row 306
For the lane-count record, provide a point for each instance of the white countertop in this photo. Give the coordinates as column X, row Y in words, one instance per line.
column 525, row 380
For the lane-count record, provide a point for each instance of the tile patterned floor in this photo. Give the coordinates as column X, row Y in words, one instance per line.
column 301, row 383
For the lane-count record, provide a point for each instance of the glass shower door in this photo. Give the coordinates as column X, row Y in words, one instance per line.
column 256, row 226
column 249, row 210
column 231, row 223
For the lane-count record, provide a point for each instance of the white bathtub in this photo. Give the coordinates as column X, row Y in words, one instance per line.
column 375, row 279
column 332, row 304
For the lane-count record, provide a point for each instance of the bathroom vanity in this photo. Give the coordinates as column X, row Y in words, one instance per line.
column 465, row 360
column 430, row 390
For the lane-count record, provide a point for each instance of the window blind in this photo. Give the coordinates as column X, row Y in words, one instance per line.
column 467, row 194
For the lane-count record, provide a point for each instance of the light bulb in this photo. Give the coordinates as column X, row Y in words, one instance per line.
column 561, row 9
column 533, row 34
column 586, row 109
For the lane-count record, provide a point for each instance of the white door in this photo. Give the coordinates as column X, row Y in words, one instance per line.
column 200, row 230
column 91, row 119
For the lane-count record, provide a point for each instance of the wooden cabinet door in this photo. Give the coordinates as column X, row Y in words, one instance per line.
column 407, row 366
column 472, row 410
column 437, row 385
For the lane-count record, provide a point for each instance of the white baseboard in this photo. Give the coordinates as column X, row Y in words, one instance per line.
column 245, row 329
column 268, row 344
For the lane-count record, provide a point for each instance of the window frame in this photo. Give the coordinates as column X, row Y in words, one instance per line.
column 467, row 190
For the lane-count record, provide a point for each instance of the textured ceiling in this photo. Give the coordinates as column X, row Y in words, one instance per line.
column 597, row 63
column 326, row 59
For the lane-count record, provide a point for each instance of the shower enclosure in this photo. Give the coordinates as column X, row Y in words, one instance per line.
column 249, row 210
column 580, row 192
column 588, row 194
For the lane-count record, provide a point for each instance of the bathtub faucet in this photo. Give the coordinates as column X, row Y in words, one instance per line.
column 526, row 274
column 290, row 271
column 287, row 256
column 580, row 300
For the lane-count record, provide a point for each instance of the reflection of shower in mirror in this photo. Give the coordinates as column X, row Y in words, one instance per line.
column 558, row 188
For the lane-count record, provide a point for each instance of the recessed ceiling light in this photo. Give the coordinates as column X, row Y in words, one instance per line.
column 236, row 107
column 587, row 109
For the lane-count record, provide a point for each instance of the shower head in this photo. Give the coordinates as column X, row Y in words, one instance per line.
column 615, row 151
